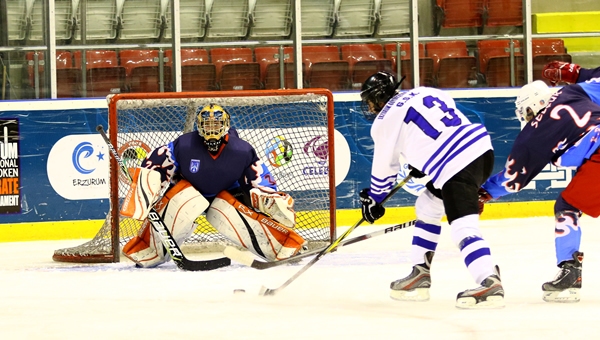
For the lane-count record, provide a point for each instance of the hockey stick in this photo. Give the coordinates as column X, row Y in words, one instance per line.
column 159, row 225
column 247, row 258
column 267, row 291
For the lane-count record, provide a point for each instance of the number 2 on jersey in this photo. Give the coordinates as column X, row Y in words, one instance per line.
column 450, row 118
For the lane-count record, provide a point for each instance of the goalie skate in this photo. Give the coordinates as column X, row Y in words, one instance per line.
column 566, row 285
column 489, row 295
column 414, row 287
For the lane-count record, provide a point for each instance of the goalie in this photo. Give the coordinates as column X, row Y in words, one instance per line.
column 213, row 171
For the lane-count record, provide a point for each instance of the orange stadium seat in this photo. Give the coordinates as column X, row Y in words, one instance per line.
column 452, row 64
column 324, row 68
column 197, row 73
column 425, row 64
column 142, row 70
column 545, row 50
column 236, row 69
column 268, row 58
column 363, row 61
column 103, row 73
column 494, row 62
column 503, row 13
column 66, row 75
column 457, row 14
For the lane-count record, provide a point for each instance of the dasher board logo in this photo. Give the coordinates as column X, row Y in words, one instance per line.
column 10, row 167
column 296, row 156
column 78, row 167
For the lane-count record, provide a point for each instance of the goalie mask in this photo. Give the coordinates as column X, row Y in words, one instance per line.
column 376, row 91
column 213, row 125
column 532, row 98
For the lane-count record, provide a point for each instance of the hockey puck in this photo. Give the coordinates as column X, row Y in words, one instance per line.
column 239, row 291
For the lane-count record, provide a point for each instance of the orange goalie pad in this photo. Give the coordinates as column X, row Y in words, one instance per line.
column 280, row 242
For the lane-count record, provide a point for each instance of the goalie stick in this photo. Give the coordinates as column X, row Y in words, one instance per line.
column 159, row 225
column 264, row 291
column 247, row 258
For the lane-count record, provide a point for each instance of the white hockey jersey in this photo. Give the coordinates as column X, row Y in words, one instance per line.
column 424, row 126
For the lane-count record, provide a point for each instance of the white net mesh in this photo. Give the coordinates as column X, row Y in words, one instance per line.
column 289, row 132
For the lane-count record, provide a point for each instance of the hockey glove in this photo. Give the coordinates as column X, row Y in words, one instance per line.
column 371, row 210
column 560, row 71
column 416, row 173
column 484, row 197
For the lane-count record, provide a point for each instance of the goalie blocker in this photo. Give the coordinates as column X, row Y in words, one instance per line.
column 179, row 208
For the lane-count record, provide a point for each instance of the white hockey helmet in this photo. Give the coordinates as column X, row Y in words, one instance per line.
column 532, row 98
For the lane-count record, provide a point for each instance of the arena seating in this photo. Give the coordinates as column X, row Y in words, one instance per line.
column 394, row 19
column 503, row 13
column 236, row 69
column 67, row 76
column 65, row 19
column 102, row 20
column 269, row 60
column 425, row 64
column 452, row 65
column 104, row 75
column 228, row 19
column 544, row 51
column 324, row 68
column 363, row 61
column 271, row 19
column 458, row 14
column 494, row 62
column 141, row 19
column 192, row 14
column 142, row 70
column 318, row 18
column 355, row 18
column 197, row 73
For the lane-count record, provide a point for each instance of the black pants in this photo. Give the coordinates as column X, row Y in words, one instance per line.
column 460, row 193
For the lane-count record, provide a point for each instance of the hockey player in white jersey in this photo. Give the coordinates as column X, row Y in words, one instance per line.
column 424, row 126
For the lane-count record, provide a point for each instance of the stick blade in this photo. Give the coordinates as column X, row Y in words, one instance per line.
column 264, row 291
column 244, row 257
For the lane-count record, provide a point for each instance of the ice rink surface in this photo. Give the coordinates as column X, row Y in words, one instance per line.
column 343, row 296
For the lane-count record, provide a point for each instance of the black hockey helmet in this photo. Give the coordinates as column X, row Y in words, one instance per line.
column 376, row 91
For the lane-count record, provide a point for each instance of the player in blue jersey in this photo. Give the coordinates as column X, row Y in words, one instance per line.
column 424, row 126
column 562, row 129
column 210, row 170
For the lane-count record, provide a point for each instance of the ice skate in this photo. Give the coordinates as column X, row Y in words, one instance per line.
column 489, row 295
column 414, row 287
column 566, row 285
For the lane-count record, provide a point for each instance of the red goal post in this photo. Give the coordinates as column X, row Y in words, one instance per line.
column 291, row 130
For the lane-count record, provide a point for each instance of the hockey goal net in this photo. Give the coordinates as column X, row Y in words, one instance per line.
column 291, row 130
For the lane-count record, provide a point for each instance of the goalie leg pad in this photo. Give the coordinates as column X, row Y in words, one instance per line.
column 278, row 205
column 254, row 231
column 180, row 206
column 142, row 194
column 145, row 249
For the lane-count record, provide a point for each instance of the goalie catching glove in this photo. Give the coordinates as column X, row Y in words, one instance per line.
column 278, row 205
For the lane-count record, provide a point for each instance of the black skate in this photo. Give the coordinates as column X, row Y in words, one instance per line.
column 414, row 287
column 489, row 295
column 566, row 285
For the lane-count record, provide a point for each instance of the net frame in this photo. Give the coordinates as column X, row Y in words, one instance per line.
column 106, row 245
